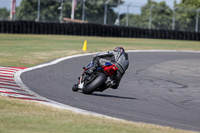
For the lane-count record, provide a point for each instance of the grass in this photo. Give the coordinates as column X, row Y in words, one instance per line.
column 29, row 50
column 19, row 116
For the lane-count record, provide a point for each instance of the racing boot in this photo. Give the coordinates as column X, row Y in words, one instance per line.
column 106, row 85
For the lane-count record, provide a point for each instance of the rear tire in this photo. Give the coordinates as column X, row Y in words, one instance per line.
column 96, row 83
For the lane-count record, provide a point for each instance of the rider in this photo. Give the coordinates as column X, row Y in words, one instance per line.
column 117, row 57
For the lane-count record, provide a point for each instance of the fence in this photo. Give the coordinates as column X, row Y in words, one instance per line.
column 152, row 16
column 89, row 29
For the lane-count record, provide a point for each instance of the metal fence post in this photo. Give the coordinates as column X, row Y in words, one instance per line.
column 83, row 11
column 118, row 12
column 150, row 16
column 105, row 11
column 11, row 11
column 127, row 16
column 15, row 10
column 197, row 19
column 38, row 14
column 173, row 19
column 72, row 10
column 61, row 11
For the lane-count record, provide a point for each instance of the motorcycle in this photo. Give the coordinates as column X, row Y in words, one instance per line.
column 92, row 80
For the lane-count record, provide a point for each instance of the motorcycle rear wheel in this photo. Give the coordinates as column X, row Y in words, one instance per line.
column 95, row 84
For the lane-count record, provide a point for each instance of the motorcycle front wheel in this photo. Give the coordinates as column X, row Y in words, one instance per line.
column 75, row 88
column 95, row 84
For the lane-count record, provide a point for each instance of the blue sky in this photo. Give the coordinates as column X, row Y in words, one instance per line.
column 6, row 3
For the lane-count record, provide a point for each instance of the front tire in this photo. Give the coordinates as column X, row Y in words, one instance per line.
column 75, row 88
column 96, row 83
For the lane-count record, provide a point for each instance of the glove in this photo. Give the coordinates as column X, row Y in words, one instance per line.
column 89, row 71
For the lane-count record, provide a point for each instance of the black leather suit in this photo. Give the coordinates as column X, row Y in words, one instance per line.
column 117, row 58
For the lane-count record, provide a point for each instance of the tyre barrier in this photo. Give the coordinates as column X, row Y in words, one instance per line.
column 90, row 29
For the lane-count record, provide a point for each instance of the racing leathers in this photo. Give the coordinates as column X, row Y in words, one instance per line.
column 120, row 59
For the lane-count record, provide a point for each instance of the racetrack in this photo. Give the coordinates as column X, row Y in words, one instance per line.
column 159, row 87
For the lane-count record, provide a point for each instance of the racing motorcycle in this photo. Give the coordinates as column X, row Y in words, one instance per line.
column 92, row 80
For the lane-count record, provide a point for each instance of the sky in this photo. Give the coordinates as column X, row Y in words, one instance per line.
column 137, row 3
column 142, row 2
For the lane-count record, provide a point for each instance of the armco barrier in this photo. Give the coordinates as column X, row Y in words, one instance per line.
column 89, row 29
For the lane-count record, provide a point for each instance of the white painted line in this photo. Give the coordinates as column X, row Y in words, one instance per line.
column 18, row 95
column 62, row 106
column 2, row 73
column 8, row 73
column 6, row 90
column 6, row 70
column 6, row 77
column 10, row 87
column 14, row 91
column 3, row 83
column 11, row 72
column 18, row 89
column 7, row 80
column 9, row 69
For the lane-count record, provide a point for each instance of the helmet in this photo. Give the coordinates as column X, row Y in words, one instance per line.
column 119, row 49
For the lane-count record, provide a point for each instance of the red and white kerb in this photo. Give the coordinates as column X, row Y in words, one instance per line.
column 8, row 86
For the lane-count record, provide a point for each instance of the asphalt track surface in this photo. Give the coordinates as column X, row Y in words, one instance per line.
column 158, row 87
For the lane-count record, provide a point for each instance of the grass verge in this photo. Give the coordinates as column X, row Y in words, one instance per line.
column 19, row 116
column 29, row 50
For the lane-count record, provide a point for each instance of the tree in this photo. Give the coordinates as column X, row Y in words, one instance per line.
column 94, row 10
column 161, row 16
column 190, row 3
column 48, row 10
column 186, row 14
column 4, row 14
column 134, row 20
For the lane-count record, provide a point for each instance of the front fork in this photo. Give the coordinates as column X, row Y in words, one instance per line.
column 80, row 84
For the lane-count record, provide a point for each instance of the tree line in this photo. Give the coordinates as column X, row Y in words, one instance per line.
column 184, row 13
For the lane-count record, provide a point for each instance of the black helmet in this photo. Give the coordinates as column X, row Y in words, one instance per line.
column 119, row 49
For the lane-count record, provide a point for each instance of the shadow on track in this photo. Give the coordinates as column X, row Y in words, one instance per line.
column 113, row 96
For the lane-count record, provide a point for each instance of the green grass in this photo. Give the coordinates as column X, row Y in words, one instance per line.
column 17, row 116
column 29, row 50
